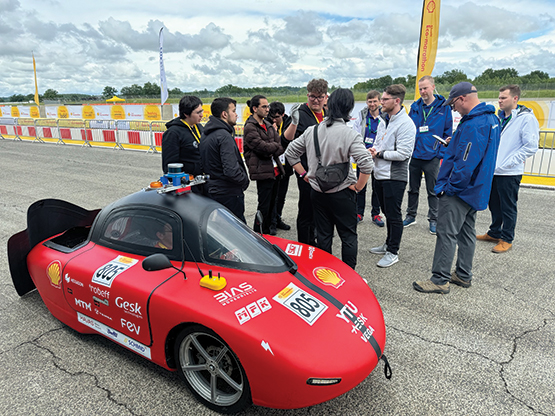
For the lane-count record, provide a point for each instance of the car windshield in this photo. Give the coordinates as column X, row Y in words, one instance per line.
column 230, row 241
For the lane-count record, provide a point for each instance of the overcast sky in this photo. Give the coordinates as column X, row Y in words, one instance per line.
column 83, row 46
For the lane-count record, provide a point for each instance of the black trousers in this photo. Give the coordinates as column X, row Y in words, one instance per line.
column 503, row 206
column 337, row 210
column 390, row 194
column 305, row 216
column 430, row 169
column 235, row 203
column 267, row 191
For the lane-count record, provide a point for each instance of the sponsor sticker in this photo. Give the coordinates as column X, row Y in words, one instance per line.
column 54, row 273
column 328, row 277
column 115, row 335
column 234, row 293
column 293, row 249
column 311, row 252
column 107, row 273
column 350, row 314
column 301, row 303
column 252, row 310
column 69, row 279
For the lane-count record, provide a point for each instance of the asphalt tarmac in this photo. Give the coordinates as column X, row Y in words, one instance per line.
column 486, row 350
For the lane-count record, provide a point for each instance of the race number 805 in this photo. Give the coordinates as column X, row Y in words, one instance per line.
column 301, row 303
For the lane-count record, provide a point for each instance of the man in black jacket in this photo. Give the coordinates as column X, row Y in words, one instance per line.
column 180, row 142
column 221, row 158
column 302, row 117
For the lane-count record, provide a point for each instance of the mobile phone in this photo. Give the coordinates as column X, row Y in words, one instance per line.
column 439, row 139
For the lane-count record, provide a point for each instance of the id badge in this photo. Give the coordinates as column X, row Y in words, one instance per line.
column 423, row 129
column 282, row 159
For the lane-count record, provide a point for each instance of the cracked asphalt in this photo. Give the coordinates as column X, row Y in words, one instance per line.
column 486, row 350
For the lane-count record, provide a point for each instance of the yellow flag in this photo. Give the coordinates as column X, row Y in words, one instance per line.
column 429, row 31
column 36, row 86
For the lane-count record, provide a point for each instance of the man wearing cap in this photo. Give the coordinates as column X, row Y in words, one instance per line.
column 519, row 141
column 430, row 118
column 463, row 187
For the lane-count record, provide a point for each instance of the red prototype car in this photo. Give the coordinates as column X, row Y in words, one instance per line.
column 177, row 279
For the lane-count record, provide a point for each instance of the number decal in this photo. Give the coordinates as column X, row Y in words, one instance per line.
column 106, row 274
column 301, row 303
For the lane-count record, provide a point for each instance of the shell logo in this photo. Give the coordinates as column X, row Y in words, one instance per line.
column 62, row 112
column 54, row 273
column 328, row 277
column 285, row 293
column 125, row 260
column 88, row 112
column 431, row 6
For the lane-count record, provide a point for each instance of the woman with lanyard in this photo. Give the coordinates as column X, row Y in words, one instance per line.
column 262, row 148
column 180, row 142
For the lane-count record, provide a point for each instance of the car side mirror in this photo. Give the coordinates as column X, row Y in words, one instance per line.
column 156, row 262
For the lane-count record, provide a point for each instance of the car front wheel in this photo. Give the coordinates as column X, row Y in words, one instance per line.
column 211, row 370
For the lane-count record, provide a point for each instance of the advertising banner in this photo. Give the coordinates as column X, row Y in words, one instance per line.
column 429, row 31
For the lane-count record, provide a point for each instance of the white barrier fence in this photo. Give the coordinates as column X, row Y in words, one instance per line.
column 147, row 135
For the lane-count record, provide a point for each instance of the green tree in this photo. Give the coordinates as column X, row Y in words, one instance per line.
column 134, row 90
column 150, row 89
column 50, row 94
column 451, row 77
column 109, row 92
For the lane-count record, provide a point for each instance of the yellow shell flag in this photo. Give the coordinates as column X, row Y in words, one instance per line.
column 429, row 33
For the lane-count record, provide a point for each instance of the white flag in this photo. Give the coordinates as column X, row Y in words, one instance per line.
column 163, row 84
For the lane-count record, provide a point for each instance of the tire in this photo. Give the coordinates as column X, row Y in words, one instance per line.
column 211, row 370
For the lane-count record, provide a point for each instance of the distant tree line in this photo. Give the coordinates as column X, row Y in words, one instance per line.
column 490, row 77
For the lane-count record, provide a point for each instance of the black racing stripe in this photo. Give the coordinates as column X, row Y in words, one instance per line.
column 372, row 341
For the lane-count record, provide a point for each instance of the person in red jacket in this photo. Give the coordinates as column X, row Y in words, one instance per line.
column 261, row 149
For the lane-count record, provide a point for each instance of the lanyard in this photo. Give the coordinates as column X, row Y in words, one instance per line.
column 317, row 121
column 505, row 121
column 369, row 125
column 197, row 135
column 279, row 128
column 427, row 115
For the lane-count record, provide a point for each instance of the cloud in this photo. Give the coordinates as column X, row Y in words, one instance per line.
column 355, row 29
column 222, row 66
column 301, row 29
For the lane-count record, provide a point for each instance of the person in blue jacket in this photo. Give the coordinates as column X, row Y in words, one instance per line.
column 463, row 187
column 430, row 117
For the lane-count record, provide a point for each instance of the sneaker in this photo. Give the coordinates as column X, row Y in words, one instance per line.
column 359, row 218
column 379, row 250
column 502, row 247
column 427, row 286
column 408, row 221
column 487, row 237
column 433, row 227
column 456, row 280
column 283, row 226
column 388, row 260
column 376, row 219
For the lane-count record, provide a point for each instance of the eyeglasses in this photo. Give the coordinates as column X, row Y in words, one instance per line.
column 452, row 105
column 316, row 97
column 387, row 99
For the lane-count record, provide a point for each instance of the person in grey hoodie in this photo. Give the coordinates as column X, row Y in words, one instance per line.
column 336, row 206
column 392, row 151
column 519, row 141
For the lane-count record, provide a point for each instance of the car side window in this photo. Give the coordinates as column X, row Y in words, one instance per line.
column 143, row 231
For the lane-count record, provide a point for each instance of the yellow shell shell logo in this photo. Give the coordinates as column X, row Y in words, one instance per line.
column 328, row 277
column 54, row 273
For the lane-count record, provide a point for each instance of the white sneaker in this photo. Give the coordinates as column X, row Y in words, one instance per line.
column 379, row 250
column 388, row 260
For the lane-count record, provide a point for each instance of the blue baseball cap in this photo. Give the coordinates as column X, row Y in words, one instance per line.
column 462, row 88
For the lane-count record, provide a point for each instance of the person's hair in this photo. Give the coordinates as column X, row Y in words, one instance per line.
column 340, row 105
column 373, row 94
column 276, row 108
column 187, row 104
column 514, row 90
column 427, row 78
column 317, row 86
column 255, row 102
column 397, row 91
column 221, row 104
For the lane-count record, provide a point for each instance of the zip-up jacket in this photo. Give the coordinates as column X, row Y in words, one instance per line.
column 519, row 141
column 179, row 145
column 221, row 159
column 306, row 119
column 360, row 126
column 467, row 169
column 261, row 150
column 395, row 138
column 439, row 121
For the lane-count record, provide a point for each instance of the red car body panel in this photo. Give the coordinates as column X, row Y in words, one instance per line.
column 96, row 289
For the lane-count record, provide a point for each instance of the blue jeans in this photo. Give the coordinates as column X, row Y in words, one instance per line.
column 502, row 205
